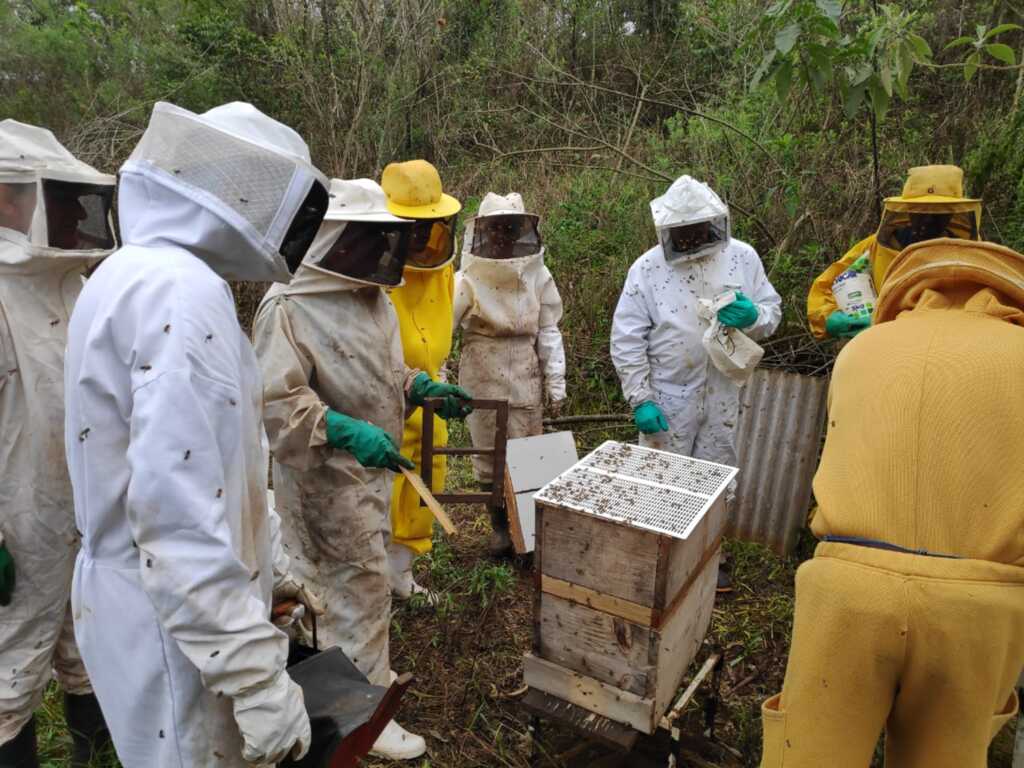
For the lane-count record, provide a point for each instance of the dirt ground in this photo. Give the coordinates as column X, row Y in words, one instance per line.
column 466, row 654
column 467, row 660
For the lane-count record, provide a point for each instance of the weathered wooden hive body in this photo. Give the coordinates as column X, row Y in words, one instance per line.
column 628, row 543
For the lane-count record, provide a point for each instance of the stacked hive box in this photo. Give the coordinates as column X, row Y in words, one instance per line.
column 628, row 543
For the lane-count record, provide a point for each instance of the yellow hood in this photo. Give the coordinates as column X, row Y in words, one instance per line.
column 954, row 274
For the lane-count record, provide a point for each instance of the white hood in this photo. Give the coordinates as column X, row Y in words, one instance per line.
column 689, row 201
column 224, row 185
column 497, row 205
column 33, row 155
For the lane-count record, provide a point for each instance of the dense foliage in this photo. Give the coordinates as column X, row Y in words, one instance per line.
column 588, row 107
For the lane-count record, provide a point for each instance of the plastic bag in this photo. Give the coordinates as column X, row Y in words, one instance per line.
column 731, row 351
column 854, row 291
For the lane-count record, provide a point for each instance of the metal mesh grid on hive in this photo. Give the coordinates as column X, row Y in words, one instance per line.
column 641, row 487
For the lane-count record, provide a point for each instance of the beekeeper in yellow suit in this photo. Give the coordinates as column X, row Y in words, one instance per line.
column 910, row 616
column 932, row 205
column 424, row 306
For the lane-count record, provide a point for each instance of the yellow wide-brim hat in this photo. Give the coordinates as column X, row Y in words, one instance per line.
column 933, row 184
column 413, row 189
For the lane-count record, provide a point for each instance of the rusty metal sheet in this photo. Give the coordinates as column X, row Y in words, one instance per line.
column 782, row 418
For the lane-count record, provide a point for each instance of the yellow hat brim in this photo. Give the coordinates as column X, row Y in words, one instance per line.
column 931, row 200
column 442, row 209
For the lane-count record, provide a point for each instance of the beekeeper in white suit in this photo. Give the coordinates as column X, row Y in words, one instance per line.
column 54, row 223
column 178, row 566
column 508, row 307
column 681, row 402
column 337, row 394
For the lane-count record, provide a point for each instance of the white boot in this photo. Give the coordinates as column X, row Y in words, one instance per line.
column 403, row 586
column 396, row 743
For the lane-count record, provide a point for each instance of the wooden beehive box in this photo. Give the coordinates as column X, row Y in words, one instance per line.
column 627, row 550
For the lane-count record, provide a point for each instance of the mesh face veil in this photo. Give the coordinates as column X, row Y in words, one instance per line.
column 506, row 236
column 250, row 172
column 371, row 252
column 78, row 215
column 60, row 204
column 687, row 242
column 304, row 226
column 901, row 228
column 432, row 242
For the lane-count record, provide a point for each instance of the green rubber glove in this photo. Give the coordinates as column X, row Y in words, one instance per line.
column 423, row 387
column 371, row 445
column 6, row 574
column 740, row 314
column 840, row 325
column 649, row 419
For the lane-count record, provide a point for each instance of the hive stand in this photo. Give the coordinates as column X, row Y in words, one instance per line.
column 428, row 450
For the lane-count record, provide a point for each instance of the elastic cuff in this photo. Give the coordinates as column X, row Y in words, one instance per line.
column 410, row 380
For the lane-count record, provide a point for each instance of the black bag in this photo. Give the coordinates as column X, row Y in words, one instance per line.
column 346, row 713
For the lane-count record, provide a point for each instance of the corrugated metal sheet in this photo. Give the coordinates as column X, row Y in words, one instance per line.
column 782, row 416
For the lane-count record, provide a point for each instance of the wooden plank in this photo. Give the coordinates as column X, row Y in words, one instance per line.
column 683, row 633
column 590, row 694
column 515, row 527
column 500, row 442
column 606, row 557
column 634, row 612
column 463, row 498
column 687, row 555
column 538, row 565
column 661, row 617
column 668, row 722
column 428, row 498
column 591, row 725
column 464, row 451
column 594, row 643
column 661, row 576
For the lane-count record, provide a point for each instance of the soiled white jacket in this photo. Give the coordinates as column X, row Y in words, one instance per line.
column 509, row 311
column 37, row 517
column 326, row 341
column 167, row 455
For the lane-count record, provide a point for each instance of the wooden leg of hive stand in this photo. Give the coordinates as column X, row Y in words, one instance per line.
column 536, row 753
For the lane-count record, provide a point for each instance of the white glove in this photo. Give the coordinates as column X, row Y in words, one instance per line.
column 287, row 589
column 555, row 406
column 273, row 722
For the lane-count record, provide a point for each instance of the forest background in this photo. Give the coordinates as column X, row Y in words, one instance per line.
column 800, row 113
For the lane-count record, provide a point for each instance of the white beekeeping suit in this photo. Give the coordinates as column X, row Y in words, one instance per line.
column 508, row 306
column 174, row 580
column 54, row 223
column 336, row 398
column 656, row 338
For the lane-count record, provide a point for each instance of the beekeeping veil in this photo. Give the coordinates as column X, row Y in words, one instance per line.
column 502, row 229
column 359, row 238
column 692, row 221
column 233, row 186
column 51, row 203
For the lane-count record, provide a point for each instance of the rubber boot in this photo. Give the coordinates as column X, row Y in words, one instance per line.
column 724, row 577
column 396, row 743
column 500, row 543
column 89, row 732
column 403, row 585
column 20, row 752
